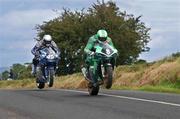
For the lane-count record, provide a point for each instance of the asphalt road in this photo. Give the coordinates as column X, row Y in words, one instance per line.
column 70, row 104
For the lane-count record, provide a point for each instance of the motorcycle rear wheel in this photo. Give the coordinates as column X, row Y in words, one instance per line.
column 40, row 85
column 93, row 90
column 39, row 74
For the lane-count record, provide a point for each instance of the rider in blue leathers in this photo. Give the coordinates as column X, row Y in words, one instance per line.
column 45, row 42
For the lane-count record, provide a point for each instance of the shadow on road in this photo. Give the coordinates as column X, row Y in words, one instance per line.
column 59, row 93
column 39, row 90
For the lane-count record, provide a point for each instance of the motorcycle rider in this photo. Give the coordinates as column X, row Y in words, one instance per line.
column 100, row 37
column 45, row 42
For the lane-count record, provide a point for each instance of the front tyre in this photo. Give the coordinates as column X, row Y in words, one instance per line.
column 108, row 77
column 51, row 78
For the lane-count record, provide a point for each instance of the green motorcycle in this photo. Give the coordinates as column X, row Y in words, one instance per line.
column 100, row 68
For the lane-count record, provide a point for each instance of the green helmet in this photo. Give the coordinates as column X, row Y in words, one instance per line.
column 102, row 35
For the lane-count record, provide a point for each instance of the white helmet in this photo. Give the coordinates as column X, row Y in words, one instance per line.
column 47, row 39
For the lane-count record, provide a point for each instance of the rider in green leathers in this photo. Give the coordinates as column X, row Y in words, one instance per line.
column 100, row 37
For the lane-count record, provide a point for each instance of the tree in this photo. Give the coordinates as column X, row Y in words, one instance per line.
column 21, row 71
column 0, row 76
column 5, row 75
column 72, row 29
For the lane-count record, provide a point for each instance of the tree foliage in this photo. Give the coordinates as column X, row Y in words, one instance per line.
column 72, row 29
column 5, row 75
column 21, row 71
column 17, row 71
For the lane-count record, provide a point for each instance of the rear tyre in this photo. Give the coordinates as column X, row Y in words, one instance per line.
column 41, row 85
column 108, row 77
column 51, row 78
column 39, row 77
column 93, row 90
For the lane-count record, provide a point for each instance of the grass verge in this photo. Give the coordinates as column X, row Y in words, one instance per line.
column 161, row 76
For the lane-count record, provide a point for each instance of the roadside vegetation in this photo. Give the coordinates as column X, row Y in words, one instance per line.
column 159, row 76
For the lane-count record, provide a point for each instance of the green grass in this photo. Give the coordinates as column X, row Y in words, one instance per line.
column 163, row 89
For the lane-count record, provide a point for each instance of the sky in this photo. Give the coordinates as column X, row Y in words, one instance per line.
column 18, row 19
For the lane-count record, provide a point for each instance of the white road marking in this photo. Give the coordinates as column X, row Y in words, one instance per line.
column 129, row 98
column 144, row 100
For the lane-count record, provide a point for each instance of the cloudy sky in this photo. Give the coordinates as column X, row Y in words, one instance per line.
column 19, row 17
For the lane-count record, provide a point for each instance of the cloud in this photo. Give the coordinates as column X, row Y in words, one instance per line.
column 16, row 34
column 19, row 25
column 25, row 18
column 163, row 19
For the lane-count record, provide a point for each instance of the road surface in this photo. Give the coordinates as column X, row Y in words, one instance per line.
column 76, row 104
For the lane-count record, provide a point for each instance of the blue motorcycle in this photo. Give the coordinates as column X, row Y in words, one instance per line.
column 47, row 66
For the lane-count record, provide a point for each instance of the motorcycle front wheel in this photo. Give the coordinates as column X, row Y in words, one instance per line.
column 108, row 77
column 51, row 78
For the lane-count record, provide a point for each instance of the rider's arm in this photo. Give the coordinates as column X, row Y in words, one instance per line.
column 55, row 48
column 33, row 51
column 36, row 48
column 109, row 40
column 89, row 45
column 111, row 43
